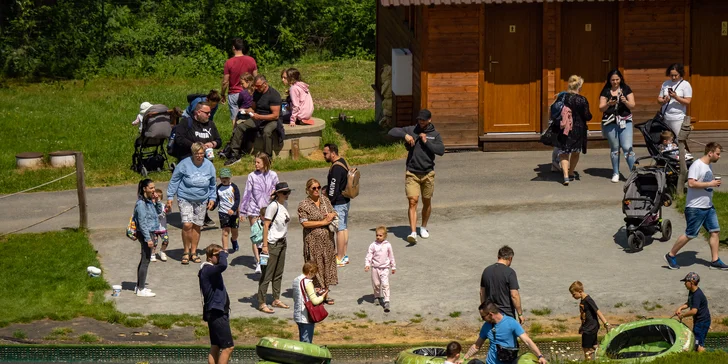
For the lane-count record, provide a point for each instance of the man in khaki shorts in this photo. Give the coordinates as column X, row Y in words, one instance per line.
column 423, row 142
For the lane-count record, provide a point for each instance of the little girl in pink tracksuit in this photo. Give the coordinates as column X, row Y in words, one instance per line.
column 380, row 258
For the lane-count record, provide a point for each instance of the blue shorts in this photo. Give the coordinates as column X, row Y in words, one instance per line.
column 700, row 329
column 343, row 212
column 696, row 218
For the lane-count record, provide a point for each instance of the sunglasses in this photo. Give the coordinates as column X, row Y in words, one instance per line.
column 285, row 192
column 206, row 112
column 315, row 188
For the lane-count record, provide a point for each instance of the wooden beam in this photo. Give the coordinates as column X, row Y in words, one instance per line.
column 620, row 37
column 481, row 70
column 424, row 64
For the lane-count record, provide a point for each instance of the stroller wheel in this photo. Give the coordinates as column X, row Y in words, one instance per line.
column 666, row 200
column 636, row 241
column 144, row 171
column 666, row 230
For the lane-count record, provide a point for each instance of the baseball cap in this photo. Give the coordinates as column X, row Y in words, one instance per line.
column 226, row 173
column 424, row 115
column 692, row 277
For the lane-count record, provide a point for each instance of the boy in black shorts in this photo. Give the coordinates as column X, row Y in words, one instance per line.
column 216, row 304
column 697, row 307
column 228, row 198
column 589, row 313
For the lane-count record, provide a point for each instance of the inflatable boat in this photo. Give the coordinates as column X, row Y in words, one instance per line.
column 646, row 340
column 284, row 351
column 436, row 355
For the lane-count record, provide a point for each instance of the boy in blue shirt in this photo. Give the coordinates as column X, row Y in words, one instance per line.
column 228, row 198
column 697, row 307
column 501, row 331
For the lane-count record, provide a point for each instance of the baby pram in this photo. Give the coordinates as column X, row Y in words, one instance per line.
column 149, row 148
column 651, row 131
column 644, row 196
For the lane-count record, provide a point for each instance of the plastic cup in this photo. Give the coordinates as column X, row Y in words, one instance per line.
column 264, row 259
column 209, row 153
column 116, row 290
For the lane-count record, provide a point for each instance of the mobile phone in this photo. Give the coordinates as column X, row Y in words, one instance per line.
column 669, row 89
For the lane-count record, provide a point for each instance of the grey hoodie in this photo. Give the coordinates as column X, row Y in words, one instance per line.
column 421, row 156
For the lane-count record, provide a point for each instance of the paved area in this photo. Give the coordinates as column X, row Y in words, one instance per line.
column 482, row 201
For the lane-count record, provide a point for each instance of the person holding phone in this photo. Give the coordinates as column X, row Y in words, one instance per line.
column 615, row 102
column 675, row 96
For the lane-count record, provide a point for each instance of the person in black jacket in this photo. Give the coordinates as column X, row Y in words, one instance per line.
column 197, row 128
column 216, row 304
column 337, row 179
column 571, row 135
column 423, row 142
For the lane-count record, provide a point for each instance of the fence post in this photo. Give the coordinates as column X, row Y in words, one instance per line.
column 81, row 189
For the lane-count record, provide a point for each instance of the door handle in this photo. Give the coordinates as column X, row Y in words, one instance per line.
column 606, row 61
column 491, row 62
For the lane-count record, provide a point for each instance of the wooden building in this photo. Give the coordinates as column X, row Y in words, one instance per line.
column 489, row 69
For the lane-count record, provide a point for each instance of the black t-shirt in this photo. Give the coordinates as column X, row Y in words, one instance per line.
column 622, row 108
column 697, row 300
column 498, row 281
column 588, row 313
column 337, row 180
column 263, row 101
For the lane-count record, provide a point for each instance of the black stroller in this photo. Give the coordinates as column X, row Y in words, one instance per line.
column 149, row 148
column 651, row 131
column 644, row 196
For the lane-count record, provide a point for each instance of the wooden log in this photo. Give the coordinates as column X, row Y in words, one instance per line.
column 81, row 191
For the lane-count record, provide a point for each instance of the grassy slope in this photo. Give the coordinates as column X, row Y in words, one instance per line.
column 95, row 117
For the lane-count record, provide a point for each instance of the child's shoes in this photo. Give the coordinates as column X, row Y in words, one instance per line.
column 163, row 256
column 154, row 257
column 386, row 306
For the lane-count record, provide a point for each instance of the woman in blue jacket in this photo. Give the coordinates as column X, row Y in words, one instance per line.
column 147, row 221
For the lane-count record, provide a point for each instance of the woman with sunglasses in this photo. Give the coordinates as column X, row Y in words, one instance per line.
column 315, row 215
column 275, row 230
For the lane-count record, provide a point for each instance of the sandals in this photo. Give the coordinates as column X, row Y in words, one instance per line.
column 279, row 304
column 185, row 258
column 196, row 259
column 265, row 309
column 329, row 301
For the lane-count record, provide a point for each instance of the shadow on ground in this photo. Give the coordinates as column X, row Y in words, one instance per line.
column 362, row 133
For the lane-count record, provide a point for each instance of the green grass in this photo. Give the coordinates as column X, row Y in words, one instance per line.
column 724, row 321
column 19, row 334
column 417, row 319
column 59, row 333
column 619, row 304
column 94, row 117
column 455, row 314
column 650, row 306
column 545, row 311
column 167, row 321
column 89, row 338
column 536, row 329
column 361, row 314
column 262, row 326
column 560, row 328
column 720, row 201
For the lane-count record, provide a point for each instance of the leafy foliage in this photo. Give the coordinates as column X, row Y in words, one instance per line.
column 84, row 38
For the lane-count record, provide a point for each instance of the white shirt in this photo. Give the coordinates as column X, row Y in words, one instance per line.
column 701, row 198
column 278, row 227
column 676, row 110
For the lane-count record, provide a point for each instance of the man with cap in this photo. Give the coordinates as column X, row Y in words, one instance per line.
column 697, row 307
column 423, row 142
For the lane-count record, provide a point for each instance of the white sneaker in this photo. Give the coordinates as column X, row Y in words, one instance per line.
column 412, row 238
column 423, row 233
column 257, row 268
column 146, row 292
column 163, row 256
column 688, row 156
column 615, row 178
column 153, row 258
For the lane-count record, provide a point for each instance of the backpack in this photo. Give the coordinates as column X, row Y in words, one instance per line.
column 173, row 134
column 352, row 181
column 556, row 108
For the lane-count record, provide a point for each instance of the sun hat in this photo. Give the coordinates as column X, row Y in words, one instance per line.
column 93, row 271
column 226, row 173
column 281, row 187
column 691, row 277
column 144, row 107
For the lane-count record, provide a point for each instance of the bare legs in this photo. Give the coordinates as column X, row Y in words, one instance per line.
column 342, row 242
column 190, row 237
column 568, row 163
column 712, row 241
column 412, row 212
column 217, row 356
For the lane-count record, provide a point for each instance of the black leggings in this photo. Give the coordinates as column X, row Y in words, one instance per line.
column 146, row 256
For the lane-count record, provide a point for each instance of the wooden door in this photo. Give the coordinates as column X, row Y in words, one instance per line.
column 709, row 68
column 512, row 96
column 589, row 49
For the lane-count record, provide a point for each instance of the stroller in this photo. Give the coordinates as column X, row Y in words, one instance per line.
column 149, row 148
column 644, row 196
column 651, row 131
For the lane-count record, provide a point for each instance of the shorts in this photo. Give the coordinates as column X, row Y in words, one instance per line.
column 589, row 341
column 219, row 325
column 343, row 212
column 192, row 212
column 696, row 217
column 230, row 221
column 700, row 329
column 233, row 105
column 419, row 184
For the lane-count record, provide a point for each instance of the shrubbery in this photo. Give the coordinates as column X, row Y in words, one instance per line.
column 82, row 38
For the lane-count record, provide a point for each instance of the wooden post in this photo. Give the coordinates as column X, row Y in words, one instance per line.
column 295, row 149
column 682, row 144
column 81, row 189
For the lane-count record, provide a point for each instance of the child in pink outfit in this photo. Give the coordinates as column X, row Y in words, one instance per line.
column 380, row 258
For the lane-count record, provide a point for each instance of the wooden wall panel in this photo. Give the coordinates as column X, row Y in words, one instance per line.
column 652, row 36
column 551, row 57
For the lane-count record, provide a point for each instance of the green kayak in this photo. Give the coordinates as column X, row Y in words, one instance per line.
column 436, row 355
column 291, row 352
column 646, row 340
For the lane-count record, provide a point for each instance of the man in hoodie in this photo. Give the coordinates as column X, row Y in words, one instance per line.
column 216, row 304
column 196, row 128
column 423, row 142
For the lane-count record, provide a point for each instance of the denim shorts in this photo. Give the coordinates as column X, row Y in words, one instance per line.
column 700, row 330
column 696, row 218
column 343, row 212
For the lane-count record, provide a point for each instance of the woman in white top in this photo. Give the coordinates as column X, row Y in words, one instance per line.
column 275, row 230
column 675, row 96
column 300, row 313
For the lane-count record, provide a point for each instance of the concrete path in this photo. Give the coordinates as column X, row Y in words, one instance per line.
column 482, row 201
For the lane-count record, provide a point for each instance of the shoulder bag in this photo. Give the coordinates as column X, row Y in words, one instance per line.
column 334, row 225
column 316, row 313
column 661, row 114
column 504, row 353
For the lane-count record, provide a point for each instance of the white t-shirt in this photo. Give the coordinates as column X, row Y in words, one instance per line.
column 278, row 227
column 701, row 198
column 676, row 110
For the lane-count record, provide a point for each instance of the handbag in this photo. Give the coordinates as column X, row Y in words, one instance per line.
column 334, row 225
column 547, row 137
column 131, row 229
column 504, row 353
column 316, row 313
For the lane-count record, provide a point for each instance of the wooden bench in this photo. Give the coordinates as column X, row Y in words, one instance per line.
column 305, row 138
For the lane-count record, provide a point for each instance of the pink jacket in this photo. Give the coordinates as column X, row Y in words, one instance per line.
column 301, row 102
column 380, row 255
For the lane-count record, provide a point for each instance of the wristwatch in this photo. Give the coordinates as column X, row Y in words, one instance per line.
column 540, row 356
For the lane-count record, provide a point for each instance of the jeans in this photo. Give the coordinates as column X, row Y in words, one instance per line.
column 273, row 272
column 305, row 332
column 232, row 99
column 617, row 138
column 146, row 256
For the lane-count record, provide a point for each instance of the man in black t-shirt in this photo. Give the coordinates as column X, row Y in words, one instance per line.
column 697, row 307
column 267, row 107
column 337, row 179
column 499, row 284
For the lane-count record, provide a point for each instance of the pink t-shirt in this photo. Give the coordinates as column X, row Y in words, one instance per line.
column 235, row 67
